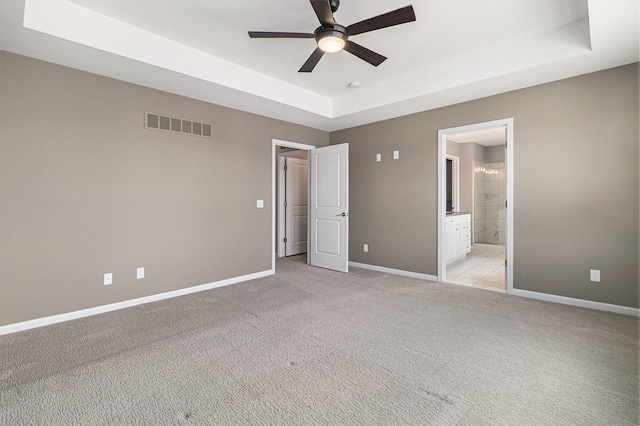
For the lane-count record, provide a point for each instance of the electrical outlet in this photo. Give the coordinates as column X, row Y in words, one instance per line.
column 108, row 278
column 366, row 248
column 595, row 275
column 396, row 155
column 140, row 273
column 378, row 157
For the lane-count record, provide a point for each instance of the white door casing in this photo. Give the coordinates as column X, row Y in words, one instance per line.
column 278, row 245
column 329, row 233
column 507, row 123
column 296, row 208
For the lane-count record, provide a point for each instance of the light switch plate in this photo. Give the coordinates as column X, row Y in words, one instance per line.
column 140, row 273
column 396, row 155
column 378, row 157
column 260, row 204
column 108, row 278
column 366, row 248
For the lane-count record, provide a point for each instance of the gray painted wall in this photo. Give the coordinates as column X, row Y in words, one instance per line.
column 494, row 154
column 453, row 148
column 576, row 183
column 478, row 152
column 470, row 152
column 87, row 190
column 466, row 177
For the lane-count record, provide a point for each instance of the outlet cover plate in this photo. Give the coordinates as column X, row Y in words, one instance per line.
column 595, row 275
column 108, row 278
column 140, row 273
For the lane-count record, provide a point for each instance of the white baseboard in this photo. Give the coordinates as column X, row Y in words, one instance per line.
column 40, row 322
column 624, row 310
column 394, row 271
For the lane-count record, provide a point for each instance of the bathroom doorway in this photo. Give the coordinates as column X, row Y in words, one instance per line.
column 475, row 232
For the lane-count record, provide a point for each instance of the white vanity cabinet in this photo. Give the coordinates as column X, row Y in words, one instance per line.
column 458, row 240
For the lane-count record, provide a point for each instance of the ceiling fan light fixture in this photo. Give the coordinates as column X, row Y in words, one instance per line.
column 332, row 37
column 331, row 41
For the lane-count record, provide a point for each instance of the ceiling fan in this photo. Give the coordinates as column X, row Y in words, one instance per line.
column 332, row 37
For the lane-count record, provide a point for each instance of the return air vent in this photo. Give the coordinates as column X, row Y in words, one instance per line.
column 176, row 125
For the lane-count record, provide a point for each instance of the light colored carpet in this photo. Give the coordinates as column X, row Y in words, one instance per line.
column 311, row 346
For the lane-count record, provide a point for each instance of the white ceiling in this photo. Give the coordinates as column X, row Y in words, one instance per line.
column 486, row 137
column 457, row 50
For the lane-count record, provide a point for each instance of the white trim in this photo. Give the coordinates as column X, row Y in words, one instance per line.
column 394, row 271
column 274, row 144
column 442, row 153
column 509, row 198
column 589, row 304
column 54, row 319
column 281, row 249
column 304, row 147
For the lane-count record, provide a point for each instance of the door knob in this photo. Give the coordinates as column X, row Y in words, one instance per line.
column 343, row 214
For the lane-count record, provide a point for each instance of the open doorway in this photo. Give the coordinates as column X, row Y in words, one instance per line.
column 328, row 205
column 475, row 236
column 292, row 200
column 281, row 151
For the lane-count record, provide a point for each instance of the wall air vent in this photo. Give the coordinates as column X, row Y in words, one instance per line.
column 176, row 125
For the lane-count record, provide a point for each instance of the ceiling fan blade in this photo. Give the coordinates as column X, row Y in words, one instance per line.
column 389, row 19
column 312, row 61
column 323, row 12
column 363, row 53
column 275, row 34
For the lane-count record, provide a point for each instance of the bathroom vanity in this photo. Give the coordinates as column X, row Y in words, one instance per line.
column 458, row 239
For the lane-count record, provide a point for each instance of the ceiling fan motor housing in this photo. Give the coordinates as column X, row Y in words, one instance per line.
column 337, row 31
column 337, row 34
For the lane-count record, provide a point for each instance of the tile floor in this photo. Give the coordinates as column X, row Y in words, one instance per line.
column 483, row 268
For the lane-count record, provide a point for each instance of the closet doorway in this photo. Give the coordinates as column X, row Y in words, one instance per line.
column 328, row 205
column 293, row 202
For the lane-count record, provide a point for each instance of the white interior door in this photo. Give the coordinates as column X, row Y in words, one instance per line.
column 329, row 237
column 296, row 207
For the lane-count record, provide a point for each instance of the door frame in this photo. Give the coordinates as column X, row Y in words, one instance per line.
column 274, row 169
column 281, row 191
column 442, row 181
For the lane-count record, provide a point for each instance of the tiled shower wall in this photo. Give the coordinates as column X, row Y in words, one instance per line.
column 489, row 210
